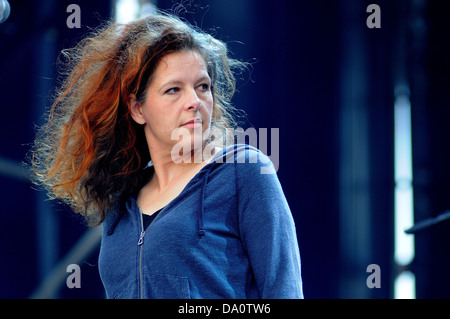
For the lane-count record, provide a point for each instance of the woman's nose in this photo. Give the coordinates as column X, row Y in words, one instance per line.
column 192, row 101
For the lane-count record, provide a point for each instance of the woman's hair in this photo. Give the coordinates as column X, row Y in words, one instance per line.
column 90, row 153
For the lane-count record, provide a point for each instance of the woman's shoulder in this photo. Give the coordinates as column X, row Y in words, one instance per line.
column 246, row 157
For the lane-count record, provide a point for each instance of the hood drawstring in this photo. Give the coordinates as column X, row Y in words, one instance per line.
column 201, row 228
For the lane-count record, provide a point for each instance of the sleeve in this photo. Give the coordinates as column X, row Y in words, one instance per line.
column 267, row 228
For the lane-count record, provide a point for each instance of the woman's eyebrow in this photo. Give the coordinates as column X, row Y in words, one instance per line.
column 179, row 82
column 172, row 82
column 204, row 78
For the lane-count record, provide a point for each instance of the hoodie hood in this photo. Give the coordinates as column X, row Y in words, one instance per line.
column 225, row 155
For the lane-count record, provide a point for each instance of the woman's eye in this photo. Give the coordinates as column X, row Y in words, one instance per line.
column 172, row 90
column 204, row 87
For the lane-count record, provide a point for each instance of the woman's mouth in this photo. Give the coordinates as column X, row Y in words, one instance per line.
column 193, row 123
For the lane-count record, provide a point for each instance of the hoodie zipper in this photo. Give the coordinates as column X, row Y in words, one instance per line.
column 140, row 243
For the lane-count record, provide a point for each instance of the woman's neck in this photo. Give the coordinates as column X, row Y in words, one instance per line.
column 169, row 170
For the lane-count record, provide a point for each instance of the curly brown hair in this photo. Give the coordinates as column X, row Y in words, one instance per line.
column 90, row 153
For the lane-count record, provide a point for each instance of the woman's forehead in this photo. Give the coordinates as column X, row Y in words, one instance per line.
column 180, row 61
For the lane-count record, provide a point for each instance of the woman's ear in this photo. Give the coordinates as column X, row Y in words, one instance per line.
column 136, row 109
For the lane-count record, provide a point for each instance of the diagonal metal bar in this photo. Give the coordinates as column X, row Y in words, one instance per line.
column 14, row 169
column 57, row 277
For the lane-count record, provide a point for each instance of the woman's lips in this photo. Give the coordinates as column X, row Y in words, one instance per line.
column 193, row 123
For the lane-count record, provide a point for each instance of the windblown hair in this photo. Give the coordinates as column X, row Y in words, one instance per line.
column 90, row 153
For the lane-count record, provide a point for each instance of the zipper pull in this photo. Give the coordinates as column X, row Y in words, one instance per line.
column 141, row 238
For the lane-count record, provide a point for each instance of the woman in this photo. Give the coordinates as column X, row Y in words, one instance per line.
column 137, row 140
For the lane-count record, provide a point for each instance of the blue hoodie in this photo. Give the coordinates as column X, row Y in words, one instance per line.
column 228, row 234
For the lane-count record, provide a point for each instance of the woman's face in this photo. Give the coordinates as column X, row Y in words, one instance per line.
column 178, row 101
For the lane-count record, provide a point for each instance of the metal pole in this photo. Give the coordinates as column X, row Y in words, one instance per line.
column 50, row 286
